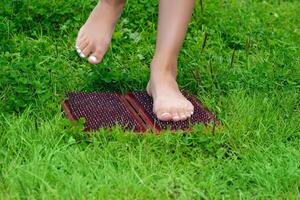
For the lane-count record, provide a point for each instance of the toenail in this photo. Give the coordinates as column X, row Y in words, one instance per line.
column 78, row 50
column 77, row 47
column 93, row 59
column 176, row 117
column 82, row 55
column 192, row 113
column 164, row 114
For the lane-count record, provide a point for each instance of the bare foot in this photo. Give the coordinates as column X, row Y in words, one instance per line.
column 168, row 101
column 95, row 35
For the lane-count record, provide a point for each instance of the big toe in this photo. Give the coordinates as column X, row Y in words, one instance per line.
column 96, row 56
column 164, row 116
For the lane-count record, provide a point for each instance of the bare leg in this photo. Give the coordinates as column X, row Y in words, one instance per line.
column 169, row 103
column 95, row 35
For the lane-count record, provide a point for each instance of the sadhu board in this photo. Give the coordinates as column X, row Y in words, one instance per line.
column 131, row 111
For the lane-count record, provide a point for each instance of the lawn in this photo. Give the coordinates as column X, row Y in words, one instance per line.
column 241, row 58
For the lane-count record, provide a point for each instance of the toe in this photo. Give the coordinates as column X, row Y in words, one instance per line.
column 86, row 51
column 81, row 44
column 165, row 116
column 187, row 111
column 78, row 49
column 183, row 116
column 182, row 112
column 175, row 116
column 188, row 114
column 96, row 57
column 190, row 108
column 162, row 113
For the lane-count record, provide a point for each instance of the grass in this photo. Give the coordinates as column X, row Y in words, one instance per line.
column 246, row 71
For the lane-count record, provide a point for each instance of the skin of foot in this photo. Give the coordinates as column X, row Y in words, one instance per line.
column 168, row 102
column 95, row 35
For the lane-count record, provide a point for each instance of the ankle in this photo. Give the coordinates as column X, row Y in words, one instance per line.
column 163, row 67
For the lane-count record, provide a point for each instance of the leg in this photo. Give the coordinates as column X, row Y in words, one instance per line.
column 94, row 36
column 169, row 103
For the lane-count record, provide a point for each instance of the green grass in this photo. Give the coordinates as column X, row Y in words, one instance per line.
column 255, row 154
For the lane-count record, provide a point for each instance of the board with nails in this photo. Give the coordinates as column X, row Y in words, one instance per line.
column 132, row 111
